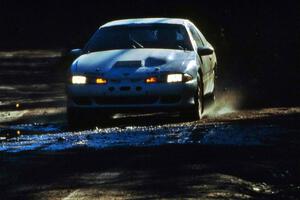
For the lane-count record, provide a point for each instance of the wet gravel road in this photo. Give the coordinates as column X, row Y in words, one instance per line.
column 233, row 153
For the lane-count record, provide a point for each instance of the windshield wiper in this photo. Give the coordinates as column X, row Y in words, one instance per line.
column 136, row 42
column 182, row 48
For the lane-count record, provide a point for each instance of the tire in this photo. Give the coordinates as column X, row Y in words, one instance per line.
column 213, row 95
column 211, row 98
column 196, row 112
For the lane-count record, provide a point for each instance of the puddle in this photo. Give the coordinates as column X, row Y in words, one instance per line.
column 45, row 137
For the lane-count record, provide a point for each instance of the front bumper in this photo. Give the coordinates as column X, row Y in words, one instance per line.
column 132, row 96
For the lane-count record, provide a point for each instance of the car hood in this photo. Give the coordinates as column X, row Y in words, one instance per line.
column 132, row 62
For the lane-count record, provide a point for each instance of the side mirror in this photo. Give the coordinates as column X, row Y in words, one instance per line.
column 75, row 53
column 205, row 51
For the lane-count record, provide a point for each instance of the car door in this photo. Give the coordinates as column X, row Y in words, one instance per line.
column 205, row 60
column 212, row 64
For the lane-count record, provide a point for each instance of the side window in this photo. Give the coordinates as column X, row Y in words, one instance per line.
column 196, row 36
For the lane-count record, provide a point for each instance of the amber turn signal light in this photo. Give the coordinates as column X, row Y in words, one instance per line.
column 101, row 81
column 151, row 80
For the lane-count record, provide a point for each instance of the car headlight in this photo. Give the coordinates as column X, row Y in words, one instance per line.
column 178, row 78
column 174, row 78
column 79, row 80
column 170, row 78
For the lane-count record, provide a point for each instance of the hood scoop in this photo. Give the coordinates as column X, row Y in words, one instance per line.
column 151, row 62
column 128, row 64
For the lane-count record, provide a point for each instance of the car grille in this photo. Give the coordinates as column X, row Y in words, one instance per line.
column 126, row 100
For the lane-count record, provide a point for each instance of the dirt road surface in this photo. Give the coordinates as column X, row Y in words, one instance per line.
column 235, row 152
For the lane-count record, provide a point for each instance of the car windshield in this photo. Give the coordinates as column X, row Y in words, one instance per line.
column 139, row 36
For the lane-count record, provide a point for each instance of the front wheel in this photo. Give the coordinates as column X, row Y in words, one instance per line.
column 196, row 112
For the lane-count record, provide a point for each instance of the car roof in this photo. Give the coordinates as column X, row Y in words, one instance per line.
column 138, row 21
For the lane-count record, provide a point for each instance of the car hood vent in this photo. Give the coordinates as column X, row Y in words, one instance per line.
column 130, row 64
column 152, row 61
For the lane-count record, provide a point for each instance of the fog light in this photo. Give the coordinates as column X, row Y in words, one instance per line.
column 101, row 81
column 78, row 79
column 174, row 78
column 151, row 80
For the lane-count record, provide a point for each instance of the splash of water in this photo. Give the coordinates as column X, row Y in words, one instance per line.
column 225, row 103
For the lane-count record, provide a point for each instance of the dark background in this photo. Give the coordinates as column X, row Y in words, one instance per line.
column 257, row 42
